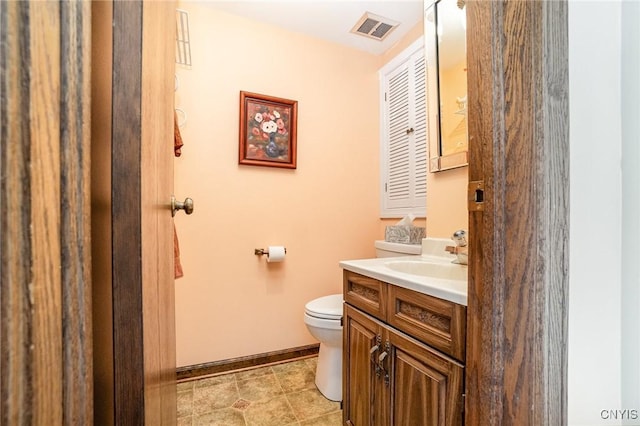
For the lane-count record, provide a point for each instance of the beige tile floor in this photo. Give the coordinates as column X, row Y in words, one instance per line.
column 277, row 395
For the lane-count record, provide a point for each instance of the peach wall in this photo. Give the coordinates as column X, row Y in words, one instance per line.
column 411, row 36
column 231, row 303
column 447, row 202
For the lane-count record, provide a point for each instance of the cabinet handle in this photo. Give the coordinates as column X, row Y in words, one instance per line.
column 372, row 357
column 373, row 361
column 377, row 369
column 381, row 366
column 375, row 347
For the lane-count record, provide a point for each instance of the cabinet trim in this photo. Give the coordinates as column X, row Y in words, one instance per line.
column 365, row 293
column 437, row 322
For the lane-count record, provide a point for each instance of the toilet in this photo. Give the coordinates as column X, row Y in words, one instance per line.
column 323, row 317
column 387, row 249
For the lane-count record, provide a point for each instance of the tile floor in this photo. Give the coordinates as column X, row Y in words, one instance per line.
column 277, row 395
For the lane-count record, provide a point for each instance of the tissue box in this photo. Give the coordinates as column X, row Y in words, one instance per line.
column 406, row 234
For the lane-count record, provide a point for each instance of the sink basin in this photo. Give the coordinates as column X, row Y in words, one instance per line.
column 445, row 271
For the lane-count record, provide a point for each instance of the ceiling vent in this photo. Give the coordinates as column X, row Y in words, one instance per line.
column 374, row 26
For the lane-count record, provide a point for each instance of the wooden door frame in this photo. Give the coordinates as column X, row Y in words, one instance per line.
column 45, row 271
column 519, row 149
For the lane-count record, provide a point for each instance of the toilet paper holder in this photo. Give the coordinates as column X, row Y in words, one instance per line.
column 260, row 252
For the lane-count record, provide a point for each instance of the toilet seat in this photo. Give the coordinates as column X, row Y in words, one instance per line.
column 326, row 307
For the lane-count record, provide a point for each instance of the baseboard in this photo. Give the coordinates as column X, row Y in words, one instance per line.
column 191, row 372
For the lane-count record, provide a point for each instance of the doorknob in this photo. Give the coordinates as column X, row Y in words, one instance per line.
column 187, row 205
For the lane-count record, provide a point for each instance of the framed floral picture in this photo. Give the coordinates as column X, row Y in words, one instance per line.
column 268, row 131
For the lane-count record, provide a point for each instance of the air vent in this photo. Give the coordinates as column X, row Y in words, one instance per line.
column 374, row 26
column 183, row 41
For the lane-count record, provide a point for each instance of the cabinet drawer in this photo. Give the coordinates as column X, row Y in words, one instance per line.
column 436, row 322
column 365, row 293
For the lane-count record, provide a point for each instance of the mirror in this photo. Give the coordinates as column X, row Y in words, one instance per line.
column 446, row 53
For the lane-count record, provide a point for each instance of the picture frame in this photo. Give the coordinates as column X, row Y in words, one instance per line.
column 268, row 131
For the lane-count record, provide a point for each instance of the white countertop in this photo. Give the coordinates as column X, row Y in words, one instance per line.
column 451, row 290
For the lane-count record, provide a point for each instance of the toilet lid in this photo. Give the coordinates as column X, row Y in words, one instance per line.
column 329, row 307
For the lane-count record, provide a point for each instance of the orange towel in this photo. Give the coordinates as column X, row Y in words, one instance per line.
column 177, row 144
column 177, row 139
column 176, row 250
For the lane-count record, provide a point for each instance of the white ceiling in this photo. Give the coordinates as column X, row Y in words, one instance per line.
column 330, row 20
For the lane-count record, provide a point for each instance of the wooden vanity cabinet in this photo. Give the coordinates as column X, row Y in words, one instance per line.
column 364, row 401
column 390, row 377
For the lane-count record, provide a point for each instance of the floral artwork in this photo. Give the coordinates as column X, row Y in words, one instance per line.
column 267, row 131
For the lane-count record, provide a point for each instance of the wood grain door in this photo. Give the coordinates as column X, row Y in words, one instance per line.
column 45, row 264
column 363, row 401
column 426, row 386
column 133, row 229
column 157, row 139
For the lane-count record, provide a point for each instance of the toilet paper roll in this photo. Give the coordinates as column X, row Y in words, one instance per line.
column 276, row 254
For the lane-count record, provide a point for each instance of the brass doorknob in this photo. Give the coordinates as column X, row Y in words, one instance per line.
column 187, row 205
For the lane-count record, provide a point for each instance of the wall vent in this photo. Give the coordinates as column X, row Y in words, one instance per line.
column 183, row 40
column 374, row 26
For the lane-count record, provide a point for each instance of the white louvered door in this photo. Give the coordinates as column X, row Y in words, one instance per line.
column 404, row 135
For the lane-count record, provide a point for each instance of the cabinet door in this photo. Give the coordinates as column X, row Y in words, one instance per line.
column 426, row 386
column 362, row 380
column 403, row 144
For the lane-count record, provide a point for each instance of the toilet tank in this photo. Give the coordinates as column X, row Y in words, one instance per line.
column 387, row 249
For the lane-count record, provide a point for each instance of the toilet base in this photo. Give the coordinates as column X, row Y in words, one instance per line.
column 329, row 372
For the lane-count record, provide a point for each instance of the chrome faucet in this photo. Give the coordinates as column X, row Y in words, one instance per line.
column 460, row 249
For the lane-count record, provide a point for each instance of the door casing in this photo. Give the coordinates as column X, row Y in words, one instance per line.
column 519, row 235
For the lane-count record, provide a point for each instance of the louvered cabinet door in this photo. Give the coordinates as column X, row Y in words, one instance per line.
column 398, row 186
column 404, row 135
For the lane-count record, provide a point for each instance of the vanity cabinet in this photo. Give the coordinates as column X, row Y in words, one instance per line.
column 404, row 359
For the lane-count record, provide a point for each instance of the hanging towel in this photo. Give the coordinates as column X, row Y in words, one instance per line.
column 177, row 139
column 177, row 144
column 176, row 251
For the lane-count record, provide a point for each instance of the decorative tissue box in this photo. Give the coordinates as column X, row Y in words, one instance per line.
column 406, row 234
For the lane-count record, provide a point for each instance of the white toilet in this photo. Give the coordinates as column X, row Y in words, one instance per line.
column 323, row 317
column 387, row 249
